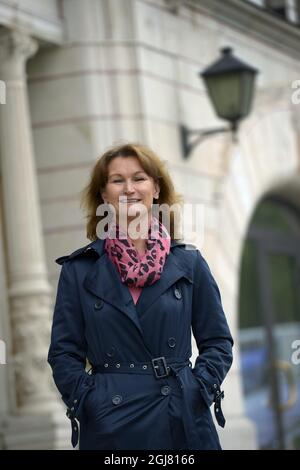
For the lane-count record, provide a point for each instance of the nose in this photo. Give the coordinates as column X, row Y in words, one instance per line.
column 129, row 187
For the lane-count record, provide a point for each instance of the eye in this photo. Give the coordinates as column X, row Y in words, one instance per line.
column 140, row 178
column 116, row 181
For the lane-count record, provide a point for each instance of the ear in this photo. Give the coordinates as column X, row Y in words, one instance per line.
column 103, row 195
column 157, row 190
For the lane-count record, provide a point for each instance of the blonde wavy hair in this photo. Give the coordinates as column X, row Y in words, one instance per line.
column 150, row 162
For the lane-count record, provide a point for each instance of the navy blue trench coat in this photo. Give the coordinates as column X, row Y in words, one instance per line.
column 141, row 391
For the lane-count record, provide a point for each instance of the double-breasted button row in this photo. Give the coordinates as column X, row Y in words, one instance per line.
column 111, row 352
column 117, row 399
column 177, row 293
column 172, row 342
column 165, row 390
column 98, row 305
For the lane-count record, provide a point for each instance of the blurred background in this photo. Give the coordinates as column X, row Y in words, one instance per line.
column 79, row 75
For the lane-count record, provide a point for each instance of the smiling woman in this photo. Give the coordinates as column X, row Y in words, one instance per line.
column 128, row 308
column 128, row 185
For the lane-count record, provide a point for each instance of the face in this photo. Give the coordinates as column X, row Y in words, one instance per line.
column 128, row 184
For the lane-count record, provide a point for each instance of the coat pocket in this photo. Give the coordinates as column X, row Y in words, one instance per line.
column 193, row 389
column 96, row 398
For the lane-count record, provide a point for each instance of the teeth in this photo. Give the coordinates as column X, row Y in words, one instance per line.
column 129, row 200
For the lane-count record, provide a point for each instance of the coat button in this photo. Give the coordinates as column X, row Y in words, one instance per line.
column 172, row 342
column 177, row 293
column 117, row 399
column 98, row 304
column 165, row 390
column 111, row 352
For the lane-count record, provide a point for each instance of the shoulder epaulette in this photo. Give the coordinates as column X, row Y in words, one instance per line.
column 187, row 246
column 76, row 253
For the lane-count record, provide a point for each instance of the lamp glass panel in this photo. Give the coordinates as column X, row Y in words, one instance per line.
column 231, row 94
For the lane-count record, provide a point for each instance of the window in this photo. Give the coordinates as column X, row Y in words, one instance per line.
column 288, row 10
column 279, row 7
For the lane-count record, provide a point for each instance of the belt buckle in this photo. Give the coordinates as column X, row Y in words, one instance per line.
column 69, row 414
column 156, row 367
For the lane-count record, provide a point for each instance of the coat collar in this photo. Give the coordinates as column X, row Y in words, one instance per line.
column 116, row 293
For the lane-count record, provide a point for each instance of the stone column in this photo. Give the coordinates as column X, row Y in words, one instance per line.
column 28, row 288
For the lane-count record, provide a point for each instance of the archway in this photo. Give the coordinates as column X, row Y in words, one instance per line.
column 269, row 322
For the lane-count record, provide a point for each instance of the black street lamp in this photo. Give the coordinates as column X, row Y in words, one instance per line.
column 230, row 85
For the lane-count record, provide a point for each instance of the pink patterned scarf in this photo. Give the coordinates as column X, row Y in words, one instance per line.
column 139, row 270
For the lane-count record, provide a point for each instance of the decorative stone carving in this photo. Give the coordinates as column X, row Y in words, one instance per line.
column 15, row 48
column 31, row 334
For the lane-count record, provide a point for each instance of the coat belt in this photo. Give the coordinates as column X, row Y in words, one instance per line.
column 161, row 367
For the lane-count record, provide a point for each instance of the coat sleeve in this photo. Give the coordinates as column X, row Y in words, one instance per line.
column 68, row 348
column 212, row 336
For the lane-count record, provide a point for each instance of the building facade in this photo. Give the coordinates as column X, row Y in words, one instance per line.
column 78, row 76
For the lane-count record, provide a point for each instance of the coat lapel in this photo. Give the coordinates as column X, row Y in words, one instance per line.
column 172, row 272
column 104, row 281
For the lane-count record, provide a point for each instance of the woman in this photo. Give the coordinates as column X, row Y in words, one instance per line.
column 127, row 305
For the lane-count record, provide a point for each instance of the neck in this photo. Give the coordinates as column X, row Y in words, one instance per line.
column 140, row 245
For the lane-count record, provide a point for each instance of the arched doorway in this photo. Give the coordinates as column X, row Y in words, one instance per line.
column 269, row 324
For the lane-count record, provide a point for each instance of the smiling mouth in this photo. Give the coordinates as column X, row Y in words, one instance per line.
column 128, row 201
